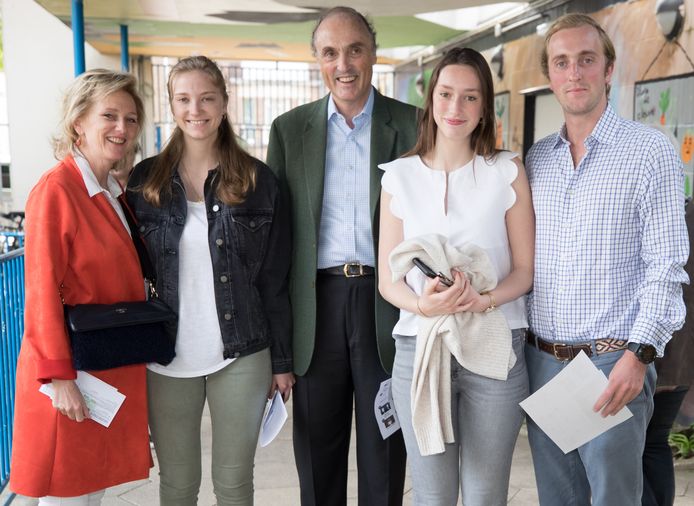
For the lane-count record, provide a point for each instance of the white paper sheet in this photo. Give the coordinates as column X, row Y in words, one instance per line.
column 273, row 419
column 102, row 399
column 384, row 410
column 563, row 407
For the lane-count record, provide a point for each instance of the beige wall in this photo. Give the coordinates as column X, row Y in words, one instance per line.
column 635, row 33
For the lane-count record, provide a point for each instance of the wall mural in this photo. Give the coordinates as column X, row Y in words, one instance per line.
column 668, row 105
column 501, row 107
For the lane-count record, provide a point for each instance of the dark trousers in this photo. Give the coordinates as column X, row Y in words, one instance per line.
column 345, row 371
column 658, row 472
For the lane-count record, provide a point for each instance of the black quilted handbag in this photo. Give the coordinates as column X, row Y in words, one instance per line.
column 104, row 336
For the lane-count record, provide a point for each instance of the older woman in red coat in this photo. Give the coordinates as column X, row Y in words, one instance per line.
column 78, row 249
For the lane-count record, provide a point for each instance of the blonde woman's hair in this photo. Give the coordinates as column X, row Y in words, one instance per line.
column 236, row 167
column 86, row 90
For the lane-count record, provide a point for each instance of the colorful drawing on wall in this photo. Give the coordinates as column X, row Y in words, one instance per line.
column 501, row 107
column 664, row 102
column 668, row 104
column 687, row 146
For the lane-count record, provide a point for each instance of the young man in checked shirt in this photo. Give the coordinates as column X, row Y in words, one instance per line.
column 611, row 244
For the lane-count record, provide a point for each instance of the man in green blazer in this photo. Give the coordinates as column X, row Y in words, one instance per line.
column 325, row 155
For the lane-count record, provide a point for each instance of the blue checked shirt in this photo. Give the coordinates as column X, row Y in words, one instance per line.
column 345, row 225
column 611, row 240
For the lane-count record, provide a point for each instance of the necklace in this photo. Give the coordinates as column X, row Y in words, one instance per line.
column 192, row 194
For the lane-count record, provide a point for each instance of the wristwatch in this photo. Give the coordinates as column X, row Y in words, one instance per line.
column 644, row 352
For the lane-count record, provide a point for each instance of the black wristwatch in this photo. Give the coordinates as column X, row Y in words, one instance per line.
column 644, row 352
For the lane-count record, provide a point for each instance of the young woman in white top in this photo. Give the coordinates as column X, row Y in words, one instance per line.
column 455, row 183
column 212, row 219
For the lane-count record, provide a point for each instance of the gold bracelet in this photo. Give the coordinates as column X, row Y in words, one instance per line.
column 422, row 313
column 492, row 302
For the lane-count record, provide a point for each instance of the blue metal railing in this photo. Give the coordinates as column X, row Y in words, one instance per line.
column 11, row 330
column 10, row 240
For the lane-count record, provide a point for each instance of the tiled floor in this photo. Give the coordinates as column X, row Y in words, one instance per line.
column 276, row 481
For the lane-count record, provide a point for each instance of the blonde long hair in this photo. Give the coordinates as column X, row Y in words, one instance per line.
column 236, row 167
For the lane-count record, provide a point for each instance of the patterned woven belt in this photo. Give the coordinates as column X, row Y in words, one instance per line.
column 565, row 352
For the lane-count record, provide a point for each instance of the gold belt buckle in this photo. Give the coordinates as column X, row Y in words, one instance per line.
column 348, row 273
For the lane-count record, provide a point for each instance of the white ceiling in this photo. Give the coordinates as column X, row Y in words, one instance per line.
column 263, row 29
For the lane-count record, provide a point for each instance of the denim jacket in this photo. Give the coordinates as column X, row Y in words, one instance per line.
column 249, row 245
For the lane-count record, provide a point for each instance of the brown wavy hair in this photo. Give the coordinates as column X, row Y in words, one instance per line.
column 236, row 167
column 483, row 137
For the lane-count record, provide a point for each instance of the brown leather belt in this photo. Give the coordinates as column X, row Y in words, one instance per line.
column 353, row 270
column 565, row 352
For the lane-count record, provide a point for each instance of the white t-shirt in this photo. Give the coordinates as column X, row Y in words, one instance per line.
column 479, row 194
column 199, row 346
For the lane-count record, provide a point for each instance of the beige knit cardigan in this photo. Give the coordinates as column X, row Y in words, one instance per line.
column 480, row 342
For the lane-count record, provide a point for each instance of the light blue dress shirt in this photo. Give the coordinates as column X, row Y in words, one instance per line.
column 345, row 225
column 611, row 239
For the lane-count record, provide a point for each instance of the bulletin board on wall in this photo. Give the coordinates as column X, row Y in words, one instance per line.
column 668, row 105
column 501, row 112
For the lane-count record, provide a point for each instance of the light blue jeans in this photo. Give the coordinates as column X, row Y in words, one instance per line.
column 486, row 422
column 236, row 396
column 607, row 470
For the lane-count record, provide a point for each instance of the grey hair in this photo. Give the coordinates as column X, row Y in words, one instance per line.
column 355, row 15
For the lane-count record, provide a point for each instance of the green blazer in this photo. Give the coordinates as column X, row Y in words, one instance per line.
column 296, row 153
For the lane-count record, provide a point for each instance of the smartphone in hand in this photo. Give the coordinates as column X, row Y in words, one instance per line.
column 430, row 273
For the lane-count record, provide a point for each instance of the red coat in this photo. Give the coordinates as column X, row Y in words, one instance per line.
column 77, row 242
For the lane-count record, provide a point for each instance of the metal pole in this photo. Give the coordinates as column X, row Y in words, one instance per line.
column 78, row 35
column 124, row 49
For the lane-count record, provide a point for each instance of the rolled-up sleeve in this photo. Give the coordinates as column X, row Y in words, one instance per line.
column 50, row 230
column 664, row 250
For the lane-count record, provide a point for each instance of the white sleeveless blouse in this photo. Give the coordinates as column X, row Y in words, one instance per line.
column 479, row 194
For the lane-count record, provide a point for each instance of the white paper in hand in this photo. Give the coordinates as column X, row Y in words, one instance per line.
column 273, row 419
column 103, row 400
column 563, row 407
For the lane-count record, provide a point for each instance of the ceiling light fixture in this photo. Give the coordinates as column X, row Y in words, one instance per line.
column 670, row 17
column 500, row 29
column 497, row 61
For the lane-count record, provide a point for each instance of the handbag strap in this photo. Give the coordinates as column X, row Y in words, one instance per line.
column 138, row 242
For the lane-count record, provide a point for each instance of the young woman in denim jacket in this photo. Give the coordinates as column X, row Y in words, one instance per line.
column 211, row 217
